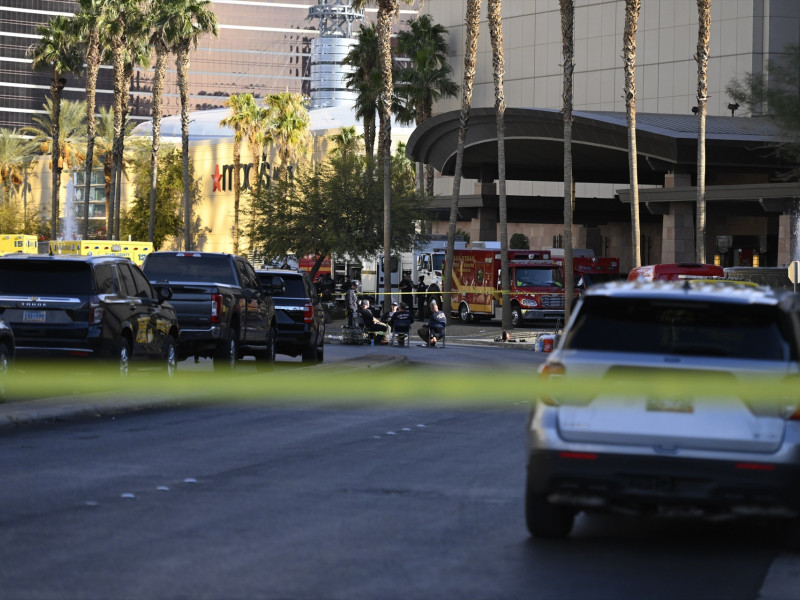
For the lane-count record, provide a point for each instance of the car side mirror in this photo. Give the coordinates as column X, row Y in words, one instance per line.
column 163, row 292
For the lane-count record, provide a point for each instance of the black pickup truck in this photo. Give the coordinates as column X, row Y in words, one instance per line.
column 223, row 311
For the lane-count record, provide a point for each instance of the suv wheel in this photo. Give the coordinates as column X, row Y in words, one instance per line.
column 227, row 353
column 546, row 520
column 170, row 356
column 265, row 359
column 124, row 356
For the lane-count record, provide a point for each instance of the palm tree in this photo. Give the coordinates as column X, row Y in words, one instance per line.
column 71, row 129
column 703, row 35
column 473, row 16
column 160, row 43
column 89, row 20
column 629, row 61
column 58, row 52
column 256, row 125
column 288, row 127
column 387, row 9
column 347, row 143
column 104, row 143
column 124, row 25
column 498, row 69
column 183, row 26
column 238, row 103
column 15, row 153
column 568, row 52
column 137, row 52
column 427, row 78
column 365, row 79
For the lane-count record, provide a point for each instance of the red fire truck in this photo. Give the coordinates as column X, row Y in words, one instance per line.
column 536, row 279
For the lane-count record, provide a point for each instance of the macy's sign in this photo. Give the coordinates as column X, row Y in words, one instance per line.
column 222, row 180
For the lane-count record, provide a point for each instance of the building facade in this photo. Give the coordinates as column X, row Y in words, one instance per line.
column 745, row 35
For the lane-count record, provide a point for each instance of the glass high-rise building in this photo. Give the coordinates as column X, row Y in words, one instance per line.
column 263, row 47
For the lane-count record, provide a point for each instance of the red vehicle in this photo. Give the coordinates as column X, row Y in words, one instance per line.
column 672, row 271
column 536, row 286
column 536, row 279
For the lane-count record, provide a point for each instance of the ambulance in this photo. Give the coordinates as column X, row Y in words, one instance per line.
column 17, row 242
column 135, row 251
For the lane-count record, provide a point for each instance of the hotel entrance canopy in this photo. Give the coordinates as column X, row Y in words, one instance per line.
column 738, row 149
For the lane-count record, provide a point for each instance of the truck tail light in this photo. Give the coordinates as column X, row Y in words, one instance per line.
column 308, row 313
column 95, row 311
column 216, row 308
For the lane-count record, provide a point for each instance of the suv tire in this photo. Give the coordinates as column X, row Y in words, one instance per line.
column 265, row 359
column 547, row 520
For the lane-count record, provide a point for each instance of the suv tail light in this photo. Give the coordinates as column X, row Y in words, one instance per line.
column 308, row 313
column 95, row 311
column 216, row 308
column 546, row 371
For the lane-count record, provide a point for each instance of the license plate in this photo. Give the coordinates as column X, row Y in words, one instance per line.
column 34, row 316
column 678, row 405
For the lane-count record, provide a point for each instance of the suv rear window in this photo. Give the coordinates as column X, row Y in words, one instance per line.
column 50, row 278
column 207, row 267
column 655, row 326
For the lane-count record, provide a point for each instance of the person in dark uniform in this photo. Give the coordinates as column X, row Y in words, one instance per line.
column 406, row 287
column 421, row 288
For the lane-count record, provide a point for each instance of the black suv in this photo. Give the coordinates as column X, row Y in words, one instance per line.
column 299, row 312
column 91, row 306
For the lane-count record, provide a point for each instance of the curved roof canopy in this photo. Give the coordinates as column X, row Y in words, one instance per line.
column 735, row 146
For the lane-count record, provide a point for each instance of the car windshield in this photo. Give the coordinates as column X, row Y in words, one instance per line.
column 678, row 327
column 189, row 267
column 50, row 278
column 528, row 276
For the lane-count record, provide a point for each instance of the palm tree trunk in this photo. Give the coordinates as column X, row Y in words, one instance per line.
column 93, row 67
column 470, row 53
column 158, row 89
column 182, row 64
column 119, row 68
column 56, row 88
column 629, row 59
column 494, row 9
column 703, row 35
column 427, row 111
column 120, row 158
column 568, row 51
column 237, row 187
column 386, row 12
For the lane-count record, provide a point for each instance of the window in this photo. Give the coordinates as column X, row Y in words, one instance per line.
column 143, row 289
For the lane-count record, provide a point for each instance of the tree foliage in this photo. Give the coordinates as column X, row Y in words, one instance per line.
column 333, row 208
column 775, row 93
column 169, row 192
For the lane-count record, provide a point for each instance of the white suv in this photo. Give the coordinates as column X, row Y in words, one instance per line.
column 656, row 417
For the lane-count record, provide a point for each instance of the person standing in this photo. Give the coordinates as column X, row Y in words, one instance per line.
column 407, row 290
column 421, row 288
column 352, row 304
